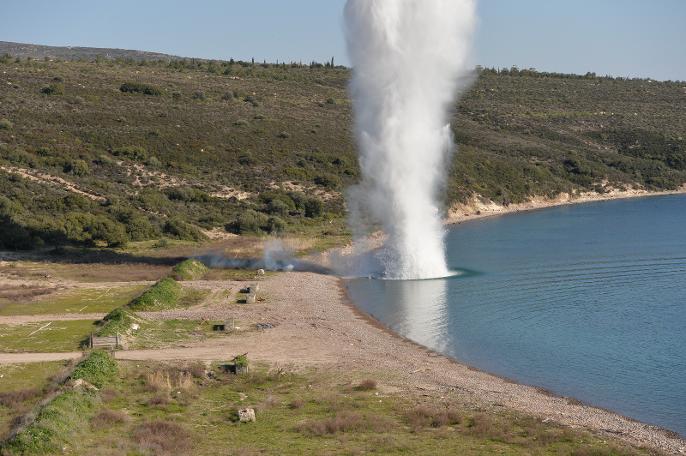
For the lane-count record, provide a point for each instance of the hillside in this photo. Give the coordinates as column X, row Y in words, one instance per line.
column 39, row 51
column 110, row 151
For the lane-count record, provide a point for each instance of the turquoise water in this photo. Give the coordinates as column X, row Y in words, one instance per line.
column 588, row 301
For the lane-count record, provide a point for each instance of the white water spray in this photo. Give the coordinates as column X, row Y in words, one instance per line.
column 409, row 60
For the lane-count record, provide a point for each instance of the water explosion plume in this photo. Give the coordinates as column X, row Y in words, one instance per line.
column 409, row 60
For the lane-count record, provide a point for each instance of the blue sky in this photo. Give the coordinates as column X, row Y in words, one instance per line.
column 619, row 37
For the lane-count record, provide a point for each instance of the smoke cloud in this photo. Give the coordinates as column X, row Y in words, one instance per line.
column 410, row 59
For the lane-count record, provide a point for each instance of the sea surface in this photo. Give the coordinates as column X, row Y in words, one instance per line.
column 588, row 301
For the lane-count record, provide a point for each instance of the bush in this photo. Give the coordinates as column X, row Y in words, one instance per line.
column 313, row 207
column 249, row 222
column 53, row 89
column 89, row 229
column 328, row 180
column 98, row 369
column 135, row 87
column 77, row 168
column 189, row 269
column 165, row 294
column 5, row 124
column 135, row 153
column 138, row 227
column 241, row 361
column 198, row 95
column 274, row 225
column 181, row 230
column 187, row 194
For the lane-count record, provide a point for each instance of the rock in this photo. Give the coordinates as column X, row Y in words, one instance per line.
column 81, row 383
column 246, row 415
column 260, row 272
column 264, row 326
column 135, row 326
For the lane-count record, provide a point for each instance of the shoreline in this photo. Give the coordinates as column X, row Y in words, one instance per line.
column 378, row 324
column 478, row 207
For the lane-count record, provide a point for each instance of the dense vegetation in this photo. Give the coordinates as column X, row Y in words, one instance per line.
column 177, row 148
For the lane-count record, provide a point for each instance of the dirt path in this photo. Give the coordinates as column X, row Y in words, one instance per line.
column 23, row 319
column 314, row 326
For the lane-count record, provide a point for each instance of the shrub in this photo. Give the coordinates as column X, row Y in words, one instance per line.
column 77, row 168
column 241, row 361
column 190, row 269
column 248, row 222
column 135, row 87
column 53, row 89
column 164, row 294
column 251, row 100
column 313, row 207
column 153, row 162
column 136, row 153
column 187, row 194
column 5, row 124
column 274, row 225
column 328, row 181
column 98, row 369
column 89, row 229
column 198, row 95
column 138, row 227
column 181, row 230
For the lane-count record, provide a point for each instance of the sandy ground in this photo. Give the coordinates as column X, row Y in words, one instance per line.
column 316, row 326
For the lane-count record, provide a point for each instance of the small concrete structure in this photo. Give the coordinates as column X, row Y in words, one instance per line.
column 107, row 342
column 246, row 415
column 224, row 326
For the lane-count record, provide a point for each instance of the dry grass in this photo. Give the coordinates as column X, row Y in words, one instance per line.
column 270, row 401
column 366, row 385
column 169, row 379
column 162, row 438
column 296, row 404
column 159, row 400
column 13, row 399
column 24, row 292
column 424, row 416
column 107, row 418
column 345, row 422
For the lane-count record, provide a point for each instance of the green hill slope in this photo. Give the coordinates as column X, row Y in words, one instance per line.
column 111, row 151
